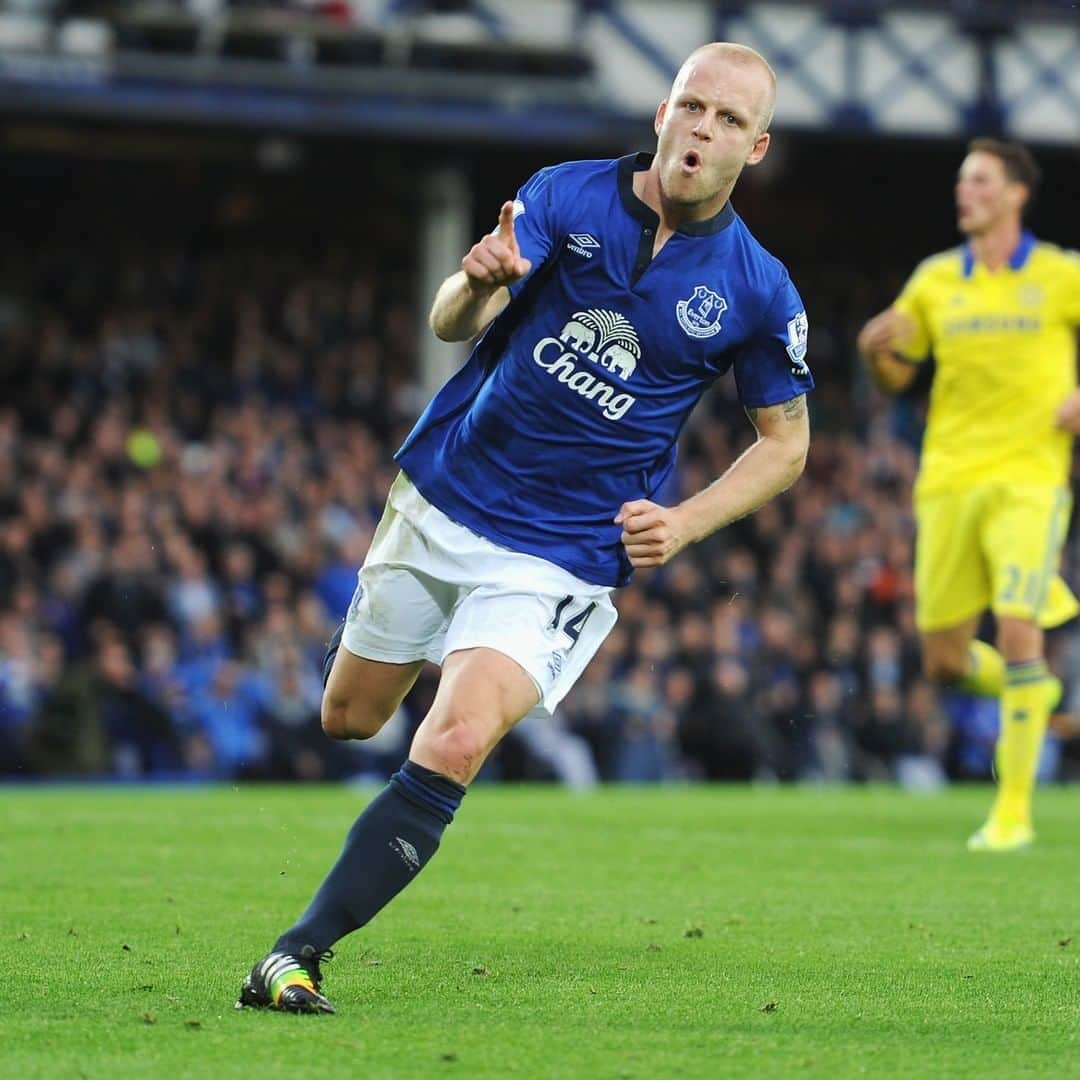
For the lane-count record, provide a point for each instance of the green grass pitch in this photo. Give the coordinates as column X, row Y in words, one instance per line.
column 670, row 932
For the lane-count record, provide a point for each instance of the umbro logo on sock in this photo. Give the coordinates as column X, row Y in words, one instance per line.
column 407, row 852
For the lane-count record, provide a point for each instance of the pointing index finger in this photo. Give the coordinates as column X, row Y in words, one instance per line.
column 506, row 225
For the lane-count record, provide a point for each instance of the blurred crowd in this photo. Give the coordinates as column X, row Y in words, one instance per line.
column 194, row 454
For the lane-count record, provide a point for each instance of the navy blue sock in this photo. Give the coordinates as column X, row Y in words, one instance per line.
column 388, row 845
column 332, row 647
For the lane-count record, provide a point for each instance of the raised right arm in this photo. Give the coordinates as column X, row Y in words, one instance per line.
column 468, row 300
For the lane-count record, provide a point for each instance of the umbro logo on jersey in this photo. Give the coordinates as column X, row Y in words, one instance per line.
column 580, row 243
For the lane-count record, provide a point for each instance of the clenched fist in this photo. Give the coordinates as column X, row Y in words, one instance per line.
column 652, row 534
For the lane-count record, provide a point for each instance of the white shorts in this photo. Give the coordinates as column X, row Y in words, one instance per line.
column 430, row 587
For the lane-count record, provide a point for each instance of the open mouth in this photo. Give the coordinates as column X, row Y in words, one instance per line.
column 691, row 161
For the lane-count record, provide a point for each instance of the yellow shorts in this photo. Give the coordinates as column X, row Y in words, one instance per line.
column 992, row 546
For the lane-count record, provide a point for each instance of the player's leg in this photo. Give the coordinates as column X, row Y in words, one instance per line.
column 1025, row 710
column 397, row 618
column 950, row 655
column 481, row 695
column 504, row 647
column 333, row 647
column 1023, row 537
column 505, row 651
column 952, row 588
column 360, row 695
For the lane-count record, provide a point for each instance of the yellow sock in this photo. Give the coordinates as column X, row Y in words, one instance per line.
column 986, row 671
column 1025, row 709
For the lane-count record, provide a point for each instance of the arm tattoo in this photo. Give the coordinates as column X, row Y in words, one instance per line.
column 794, row 409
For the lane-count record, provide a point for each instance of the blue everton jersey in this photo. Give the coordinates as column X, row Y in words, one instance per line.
column 572, row 401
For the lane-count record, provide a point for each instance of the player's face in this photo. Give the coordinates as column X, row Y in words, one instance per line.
column 708, row 129
column 985, row 196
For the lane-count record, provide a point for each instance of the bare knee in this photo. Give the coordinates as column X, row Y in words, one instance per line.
column 453, row 744
column 349, row 719
column 361, row 695
column 481, row 695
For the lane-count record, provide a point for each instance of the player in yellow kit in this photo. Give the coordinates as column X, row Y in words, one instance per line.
column 999, row 314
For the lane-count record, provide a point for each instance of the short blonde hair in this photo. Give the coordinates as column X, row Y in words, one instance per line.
column 739, row 54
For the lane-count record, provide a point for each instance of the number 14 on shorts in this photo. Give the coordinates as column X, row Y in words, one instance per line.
column 574, row 624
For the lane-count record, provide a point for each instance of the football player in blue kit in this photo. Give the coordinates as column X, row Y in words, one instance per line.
column 609, row 298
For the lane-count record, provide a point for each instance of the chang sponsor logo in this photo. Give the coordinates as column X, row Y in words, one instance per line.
column 604, row 340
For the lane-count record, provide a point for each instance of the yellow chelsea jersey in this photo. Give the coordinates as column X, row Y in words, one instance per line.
column 1004, row 342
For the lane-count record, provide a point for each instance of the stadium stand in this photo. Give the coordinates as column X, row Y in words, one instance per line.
column 194, row 443
column 199, row 409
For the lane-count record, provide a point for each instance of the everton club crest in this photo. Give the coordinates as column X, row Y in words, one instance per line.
column 700, row 315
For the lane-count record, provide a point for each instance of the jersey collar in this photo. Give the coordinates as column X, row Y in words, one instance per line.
column 633, row 163
column 1016, row 259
